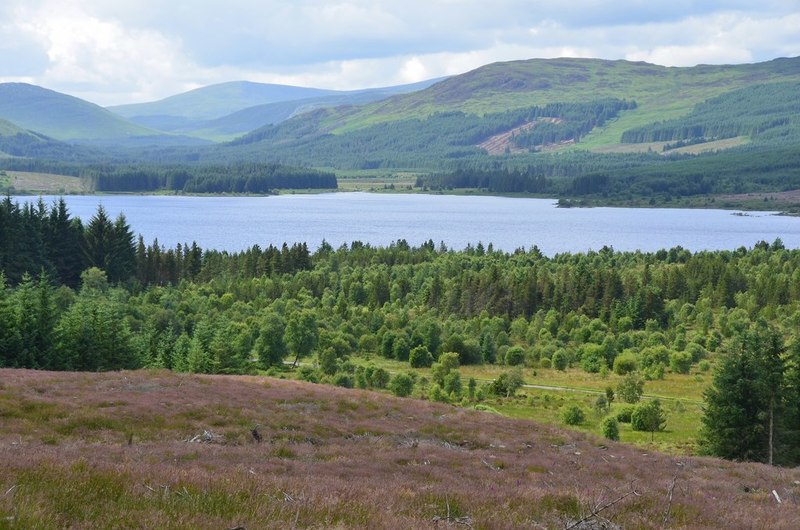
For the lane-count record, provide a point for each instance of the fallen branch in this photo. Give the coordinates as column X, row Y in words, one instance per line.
column 669, row 498
column 489, row 465
column 207, row 437
column 466, row 520
column 596, row 511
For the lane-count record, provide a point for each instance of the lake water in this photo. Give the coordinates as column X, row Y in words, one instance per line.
column 235, row 223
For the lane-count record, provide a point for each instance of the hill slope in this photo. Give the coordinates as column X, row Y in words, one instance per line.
column 227, row 110
column 18, row 142
column 61, row 116
column 215, row 101
column 145, row 449
column 661, row 92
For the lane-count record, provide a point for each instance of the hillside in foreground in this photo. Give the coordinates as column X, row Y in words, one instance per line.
column 161, row 450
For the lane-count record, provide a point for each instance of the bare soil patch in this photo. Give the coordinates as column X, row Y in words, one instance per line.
column 501, row 144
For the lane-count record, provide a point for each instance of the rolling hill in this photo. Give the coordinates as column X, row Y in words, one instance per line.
column 560, row 120
column 227, row 110
column 660, row 92
column 18, row 142
column 218, row 100
column 63, row 117
column 162, row 450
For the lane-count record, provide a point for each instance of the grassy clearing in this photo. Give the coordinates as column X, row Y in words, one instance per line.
column 403, row 182
column 44, row 183
column 548, row 391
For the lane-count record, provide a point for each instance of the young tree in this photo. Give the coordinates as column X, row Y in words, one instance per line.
column 302, row 333
column 649, row 417
column 270, row 347
column 631, row 388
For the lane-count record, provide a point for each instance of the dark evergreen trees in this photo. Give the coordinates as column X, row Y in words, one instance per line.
column 744, row 406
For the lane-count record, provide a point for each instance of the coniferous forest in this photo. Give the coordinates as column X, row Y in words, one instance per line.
column 88, row 295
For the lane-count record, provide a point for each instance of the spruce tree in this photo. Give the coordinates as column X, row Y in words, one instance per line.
column 743, row 407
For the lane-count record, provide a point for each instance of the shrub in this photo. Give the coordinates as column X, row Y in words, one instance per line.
column 572, row 415
column 601, row 405
column 655, row 372
column 436, row 393
column 610, row 428
column 379, row 378
column 697, row 351
column 307, row 373
column 704, row 365
column 624, row 414
column 507, row 383
column 452, row 383
column 401, row 349
column 515, row 356
column 680, row 362
column 593, row 358
column 343, row 379
column 559, row 360
column 625, row 363
column 544, row 363
column 401, row 385
column 654, row 355
column 420, row 357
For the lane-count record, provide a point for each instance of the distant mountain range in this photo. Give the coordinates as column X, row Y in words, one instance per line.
column 612, row 120
column 226, row 110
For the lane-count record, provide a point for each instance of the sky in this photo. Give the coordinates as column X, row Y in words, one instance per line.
column 126, row 51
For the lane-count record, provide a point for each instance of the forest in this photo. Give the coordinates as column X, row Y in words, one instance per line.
column 91, row 296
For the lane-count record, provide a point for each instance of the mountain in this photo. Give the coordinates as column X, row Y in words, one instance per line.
column 487, row 93
column 227, row 110
column 218, row 100
column 660, row 92
column 63, row 117
column 564, row 128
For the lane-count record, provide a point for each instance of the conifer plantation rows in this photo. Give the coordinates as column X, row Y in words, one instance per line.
column 89, row 296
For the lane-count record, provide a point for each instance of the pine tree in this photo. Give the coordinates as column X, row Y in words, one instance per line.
column 10, row 341
column 743, row 407
column 63, row 239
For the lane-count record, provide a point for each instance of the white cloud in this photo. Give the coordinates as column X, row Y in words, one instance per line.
column 135, row 50
column 100, row 55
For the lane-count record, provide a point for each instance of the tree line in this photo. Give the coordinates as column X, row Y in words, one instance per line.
column 761, row 112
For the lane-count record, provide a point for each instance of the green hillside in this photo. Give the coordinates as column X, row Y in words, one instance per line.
column 61, row 116
column 555, row 128
column 660, row 92
column 8, row 129
column 18, row 142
